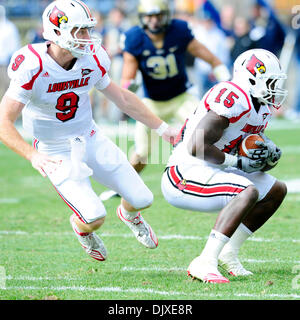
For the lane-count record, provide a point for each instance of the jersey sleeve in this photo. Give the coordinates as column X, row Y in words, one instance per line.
column 103, row 63
column 228, row 100
column 131, row 41
column 184, row 31
column 23, row 68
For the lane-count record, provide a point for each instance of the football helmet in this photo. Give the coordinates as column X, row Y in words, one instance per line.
column 160, row 8
column 63, row 19
column 260, row 72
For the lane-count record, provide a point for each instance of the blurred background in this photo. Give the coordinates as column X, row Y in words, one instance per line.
column 226, row 27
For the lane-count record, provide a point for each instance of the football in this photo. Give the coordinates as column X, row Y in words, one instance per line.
column 248, row 143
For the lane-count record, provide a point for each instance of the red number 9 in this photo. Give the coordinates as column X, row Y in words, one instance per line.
column 19, row 59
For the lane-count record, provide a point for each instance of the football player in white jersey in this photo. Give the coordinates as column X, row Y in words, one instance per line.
column 50, row 83
column 204, row 173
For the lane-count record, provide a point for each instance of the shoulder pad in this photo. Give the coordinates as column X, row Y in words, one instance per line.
column 24, row 63
column 229, row 100
column 102, row 60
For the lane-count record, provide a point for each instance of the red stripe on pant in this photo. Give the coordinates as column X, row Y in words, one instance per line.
column 204, row 190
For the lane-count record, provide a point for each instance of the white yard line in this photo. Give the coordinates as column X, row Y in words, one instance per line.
column 9, row 200
column 152, row 291
column 161, row 237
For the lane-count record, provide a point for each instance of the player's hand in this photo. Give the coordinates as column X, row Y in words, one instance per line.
column 131, row 85
column 42, row 162
column 250, row 165
column 261, row 153
column 170, row 135
column 274, row 152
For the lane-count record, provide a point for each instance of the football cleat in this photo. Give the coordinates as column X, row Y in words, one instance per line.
column 230, row 263
column 141, row 229
column 205, row 270
column 90, row 242
column 106, row 195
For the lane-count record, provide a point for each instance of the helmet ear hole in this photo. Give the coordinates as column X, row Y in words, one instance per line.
column 252, row 81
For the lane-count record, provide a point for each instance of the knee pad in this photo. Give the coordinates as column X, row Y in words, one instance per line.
column 142, row 199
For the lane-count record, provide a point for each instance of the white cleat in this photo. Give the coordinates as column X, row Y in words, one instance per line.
column 230, row 263
column 90, row 242
column 141, row 229
column 206, row 271
column 106, row 195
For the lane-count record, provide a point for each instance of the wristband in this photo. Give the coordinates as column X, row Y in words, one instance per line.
column 162, row 128
column 221, row 72
column 230, row 160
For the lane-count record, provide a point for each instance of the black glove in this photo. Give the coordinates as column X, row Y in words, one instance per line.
column 274, row 152
column 250, row 165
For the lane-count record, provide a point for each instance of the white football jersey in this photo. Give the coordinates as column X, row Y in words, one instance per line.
column 227, row 99
column 57, row 104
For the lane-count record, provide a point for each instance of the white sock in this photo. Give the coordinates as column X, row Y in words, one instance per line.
column 128, row 214
column 214, row 245
column 241, row 234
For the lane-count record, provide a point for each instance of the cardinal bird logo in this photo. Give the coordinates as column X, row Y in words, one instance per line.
column 255, row 65
column 85, row 72
column 57, row 17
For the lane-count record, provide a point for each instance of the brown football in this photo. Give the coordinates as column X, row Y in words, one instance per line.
column 248, row 143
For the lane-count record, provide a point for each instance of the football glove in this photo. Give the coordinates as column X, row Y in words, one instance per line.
column 132, row 85
column 250, row 165
column 261, row 153
column 274, row 152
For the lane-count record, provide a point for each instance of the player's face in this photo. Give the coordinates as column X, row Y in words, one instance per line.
column 154, row 22
column 81, row 34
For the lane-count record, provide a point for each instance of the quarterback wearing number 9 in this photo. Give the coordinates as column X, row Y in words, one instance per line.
column 49, row 84
column 205, row 173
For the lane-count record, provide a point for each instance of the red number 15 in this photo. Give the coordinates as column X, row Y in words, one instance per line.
column 229, row 100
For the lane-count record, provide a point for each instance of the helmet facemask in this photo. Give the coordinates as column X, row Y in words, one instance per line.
column 269, row 90
column 69, row 40
column 162, row 18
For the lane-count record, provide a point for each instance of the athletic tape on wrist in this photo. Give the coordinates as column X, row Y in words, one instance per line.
column 162, row 128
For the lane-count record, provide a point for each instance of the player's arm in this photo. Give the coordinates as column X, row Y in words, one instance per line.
column 209, row 130
column 198, row 50
column 129, row 71
column 130, row 104
column 10, row 110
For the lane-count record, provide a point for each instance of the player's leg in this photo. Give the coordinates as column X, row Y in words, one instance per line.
column 271, row 195
column 112, row 169
column 210, row 189
column 187, row 103
column 139, row 157
column 145, row 140
column 266, row 207
column 88, row 211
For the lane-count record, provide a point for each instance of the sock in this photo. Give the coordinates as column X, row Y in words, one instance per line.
column 241, row 234
column 128, row 214
column 214, row 245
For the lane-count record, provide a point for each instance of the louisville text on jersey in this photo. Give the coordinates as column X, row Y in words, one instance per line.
column 65, row 85
column 253, row 129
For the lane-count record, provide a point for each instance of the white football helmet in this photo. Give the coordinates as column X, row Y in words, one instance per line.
column 59, row 20
column 260, row 72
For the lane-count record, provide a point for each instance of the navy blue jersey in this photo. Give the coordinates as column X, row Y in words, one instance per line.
column 163, row 70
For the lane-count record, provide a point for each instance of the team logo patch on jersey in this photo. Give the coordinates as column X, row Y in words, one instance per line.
column 57, row 17
column 85, row 72
column 255, row 65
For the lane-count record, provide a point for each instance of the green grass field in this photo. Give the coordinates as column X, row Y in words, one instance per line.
column 41, row 258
